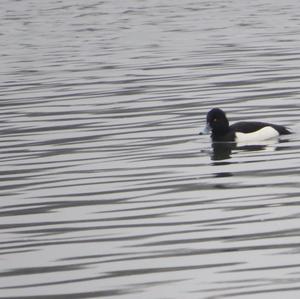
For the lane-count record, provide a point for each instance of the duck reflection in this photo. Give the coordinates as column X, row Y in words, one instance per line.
column 224, row 150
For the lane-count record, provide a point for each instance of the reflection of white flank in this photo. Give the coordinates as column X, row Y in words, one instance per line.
column 260, row 135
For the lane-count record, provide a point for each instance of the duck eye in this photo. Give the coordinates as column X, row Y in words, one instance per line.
column 215, row 119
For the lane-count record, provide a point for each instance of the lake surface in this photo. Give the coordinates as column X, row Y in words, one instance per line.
column 107, row 190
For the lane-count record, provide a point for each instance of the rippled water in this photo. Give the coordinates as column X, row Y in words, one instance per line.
column 107, row 190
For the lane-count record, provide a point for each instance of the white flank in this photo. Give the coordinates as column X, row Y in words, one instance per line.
column 260, row 135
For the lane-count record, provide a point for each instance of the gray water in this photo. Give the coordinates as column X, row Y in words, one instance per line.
column 107, row 190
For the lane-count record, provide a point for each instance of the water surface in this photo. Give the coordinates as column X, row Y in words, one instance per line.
column 107, row 190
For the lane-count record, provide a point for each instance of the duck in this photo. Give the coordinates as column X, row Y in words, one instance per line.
column 245, row 131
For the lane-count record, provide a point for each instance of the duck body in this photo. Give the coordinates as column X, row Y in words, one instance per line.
column 221, row 131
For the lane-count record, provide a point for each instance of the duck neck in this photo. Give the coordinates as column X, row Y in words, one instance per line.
column 221, row 131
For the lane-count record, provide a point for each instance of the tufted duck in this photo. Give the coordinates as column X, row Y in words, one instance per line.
column 218, row 125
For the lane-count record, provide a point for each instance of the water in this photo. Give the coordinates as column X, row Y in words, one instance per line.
column 107, row 190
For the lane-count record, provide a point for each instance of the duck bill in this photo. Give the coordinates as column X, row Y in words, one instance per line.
column 206, row 130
